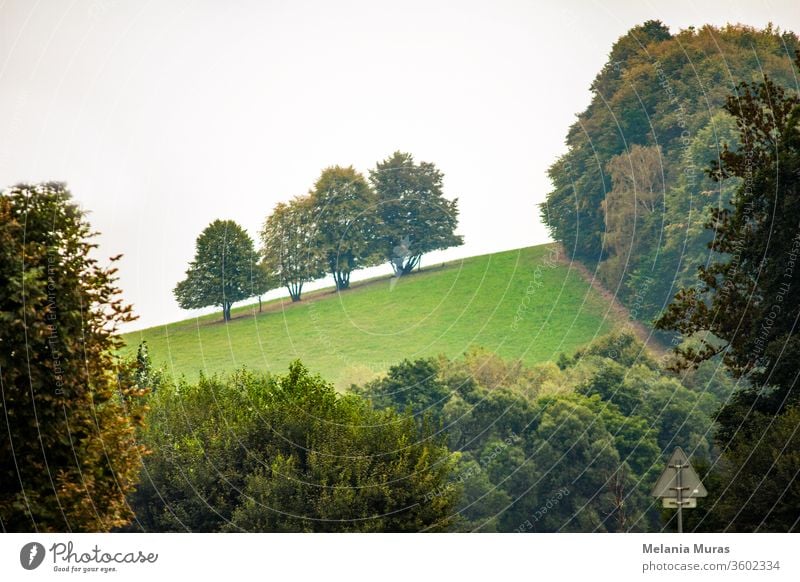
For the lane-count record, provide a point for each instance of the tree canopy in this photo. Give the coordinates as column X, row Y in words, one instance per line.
column 749, row 297
column 224, row 270
column 345, row 209
column 545, row 449
column 254, row 452
column 69, row 454
column 346, row 223
column 415, row 216
column 289, row 245
column 630, row 195
column 745, row 306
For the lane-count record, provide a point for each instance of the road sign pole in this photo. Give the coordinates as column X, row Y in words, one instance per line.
column 679, row 483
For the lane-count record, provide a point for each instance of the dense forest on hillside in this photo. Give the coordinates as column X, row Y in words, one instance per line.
column 632, row 193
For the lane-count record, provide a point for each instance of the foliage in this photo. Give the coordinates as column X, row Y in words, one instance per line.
column 224, row 270
column 412, row 386
column 491, row 371
column 345, row 208
column 683, row 247
column 486, row 501
column 262, row 453
column 69, row 455
column 138, row 370
column 620, row 346
column 415, row 216
column 637, row 178
column 608, row 382
column 262, row 281
column 748, row 299
column 548, row 449
column 757, row 483
column 744, row 307
column 630, row 195
column 575, row 450
column 291, row 252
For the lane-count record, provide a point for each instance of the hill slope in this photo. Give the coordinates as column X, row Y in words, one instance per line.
column 524, row 304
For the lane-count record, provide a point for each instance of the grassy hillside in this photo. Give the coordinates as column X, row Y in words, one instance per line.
column 519, row 304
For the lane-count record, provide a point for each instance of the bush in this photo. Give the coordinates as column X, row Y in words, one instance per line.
column 254, row 452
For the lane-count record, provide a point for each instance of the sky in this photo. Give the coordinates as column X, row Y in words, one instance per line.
column 163, row 116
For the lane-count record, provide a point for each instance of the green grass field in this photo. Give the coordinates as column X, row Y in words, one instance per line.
column 519, row 304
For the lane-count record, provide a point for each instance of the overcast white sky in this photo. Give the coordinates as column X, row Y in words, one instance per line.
column 165, row 115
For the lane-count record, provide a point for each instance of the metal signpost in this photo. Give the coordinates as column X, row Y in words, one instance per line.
column 679, row 486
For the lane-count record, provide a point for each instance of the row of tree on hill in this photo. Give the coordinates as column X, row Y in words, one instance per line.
column 345, row 223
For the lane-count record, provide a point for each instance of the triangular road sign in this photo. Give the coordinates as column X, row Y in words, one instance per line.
column 667, row 484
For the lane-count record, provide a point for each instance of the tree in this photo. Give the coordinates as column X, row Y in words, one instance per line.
column 224, row 269
column 535, row 454
column 620, row 346
column 683, row 240
column 744, row 308
column 757, row 485
column 646, row 96
column 413, row 386
column 68, row 456
column 575, row 451
column 345, row 211
column 415, row 216
column 289, row 246
column 608, row 382
column 747, row 300
column 137, row 370
column 638, row 185
column 483, row 502
column 262, row 281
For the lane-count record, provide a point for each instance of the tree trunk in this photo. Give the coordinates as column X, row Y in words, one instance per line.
column 410, row 264
column 294, row 291
column 226, row 311
column 617, row 488
column 342, row 279
column 259, row 303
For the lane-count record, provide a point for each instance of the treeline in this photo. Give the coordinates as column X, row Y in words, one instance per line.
column 573, row 447
column 473, row 444
column 632, row 195
column 345, row 223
